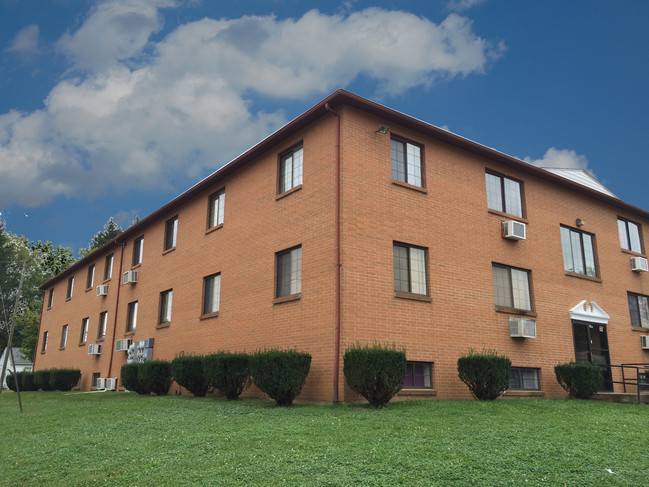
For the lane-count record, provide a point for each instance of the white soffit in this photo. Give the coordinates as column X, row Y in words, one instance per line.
column 580, row 176
column 589, row 311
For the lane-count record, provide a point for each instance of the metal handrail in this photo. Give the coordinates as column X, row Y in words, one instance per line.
column 630, row 381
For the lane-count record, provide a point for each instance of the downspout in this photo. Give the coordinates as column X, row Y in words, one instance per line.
column 39, row 331
column 119, row 277
column 338, row 258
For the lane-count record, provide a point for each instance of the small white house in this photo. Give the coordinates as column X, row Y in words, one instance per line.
column 22, row 363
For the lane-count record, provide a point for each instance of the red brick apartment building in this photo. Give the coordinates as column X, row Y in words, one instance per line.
column 356, row 223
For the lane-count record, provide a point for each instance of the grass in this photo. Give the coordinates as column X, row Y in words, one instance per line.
column 124, row 439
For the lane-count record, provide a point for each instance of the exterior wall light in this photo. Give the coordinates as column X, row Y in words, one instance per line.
column 580, row 222
column 383, row 129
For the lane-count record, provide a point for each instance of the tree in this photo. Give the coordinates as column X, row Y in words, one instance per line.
column 111, row 230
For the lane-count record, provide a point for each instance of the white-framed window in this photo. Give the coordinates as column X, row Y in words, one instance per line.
column 512, row 287
column 138, row 249
column 524, row 378
column 216, row 209
column 211, row 294
column 84, row 331
column 165, row 307
column 630, row 235
column 290, row 168
column 578, row 252
column 64, row 336
column 409, row 264
column 50, row 298
column 70, row 288
column 504, row 194
column 103, row 321
column 131, row 322
column 289, row 272
column 639, row 310
column 406, row 162
column 108, row 267
column 44, row 346
column 171, row 233
column 90, row 280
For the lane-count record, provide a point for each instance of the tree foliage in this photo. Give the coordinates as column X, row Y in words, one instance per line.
column 110, row 231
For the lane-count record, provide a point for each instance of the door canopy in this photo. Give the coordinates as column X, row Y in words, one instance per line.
column 589, row 311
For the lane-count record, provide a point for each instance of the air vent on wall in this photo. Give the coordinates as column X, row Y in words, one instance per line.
column 122, row 345
column 94, row 349
column 522, row 328
column 644, row 341
column 639, row 264
column 130, row 277
column 102, row 290
column 514, row 230
column 111, row 383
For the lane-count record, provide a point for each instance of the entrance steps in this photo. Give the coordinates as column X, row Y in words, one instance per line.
column 622, row 397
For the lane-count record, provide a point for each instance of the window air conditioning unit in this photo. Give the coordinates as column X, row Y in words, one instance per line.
column 94, row 349
column 639, row 264
column 122, row 345
column 102, row 290
column 644, row 341
column 130, row 277
column 101, row 383
column 111, row 383
column 514, row 230
column 521, row 327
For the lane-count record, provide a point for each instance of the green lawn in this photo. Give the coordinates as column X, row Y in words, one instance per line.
column 126, row 439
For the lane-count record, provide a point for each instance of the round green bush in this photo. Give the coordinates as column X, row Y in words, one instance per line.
column 280, row 373
column 11, row 380
column 228, row 372
column 64, row 379
column 129, row 377
column 187, row 371
column 27, row 382
column 486, row 374
column 580, row 379
column 155, row 376
column 376, row 373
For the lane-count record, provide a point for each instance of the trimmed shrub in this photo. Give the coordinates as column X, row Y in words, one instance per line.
column 155, row 376
column 228, row 372
column 64, row 379
column 486, row 374
column 376, row 373
column 11, row 381
column 129, row 377
column 280, row 373
column 27, row 381
column 580, row 379
column 42, row 380
column 188, row 372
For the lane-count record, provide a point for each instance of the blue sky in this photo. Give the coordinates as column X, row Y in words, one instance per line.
column 114, row 108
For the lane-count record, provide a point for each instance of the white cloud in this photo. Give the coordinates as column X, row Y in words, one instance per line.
column 26, row 41
column 140, row 112
column 560, row 159
column 461, row 5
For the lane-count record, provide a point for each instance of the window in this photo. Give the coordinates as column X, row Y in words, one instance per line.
column 171, row 233
column 103, row 318
column 84, row 331
column 165, row 307
column 524, row 379
column 409, row 269
column 132, row 316
column 290, row 169
column 406, row 162
column 578, row 252
column 211, row 294
column 639, row 310
column 91, row 276
column 95, row 379
column 70, row 288
column 50, row 299
column 217, row 207
column 629, row 235
column 289, row 272
column 419, row 375
column 504, row 194
column 108, row 267
column 511, row 287
column 44, row 347
column 64, row 336
column 138, row 247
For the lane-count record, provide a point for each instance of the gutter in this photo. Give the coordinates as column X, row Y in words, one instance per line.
column 119, row 277
column 338, row 259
